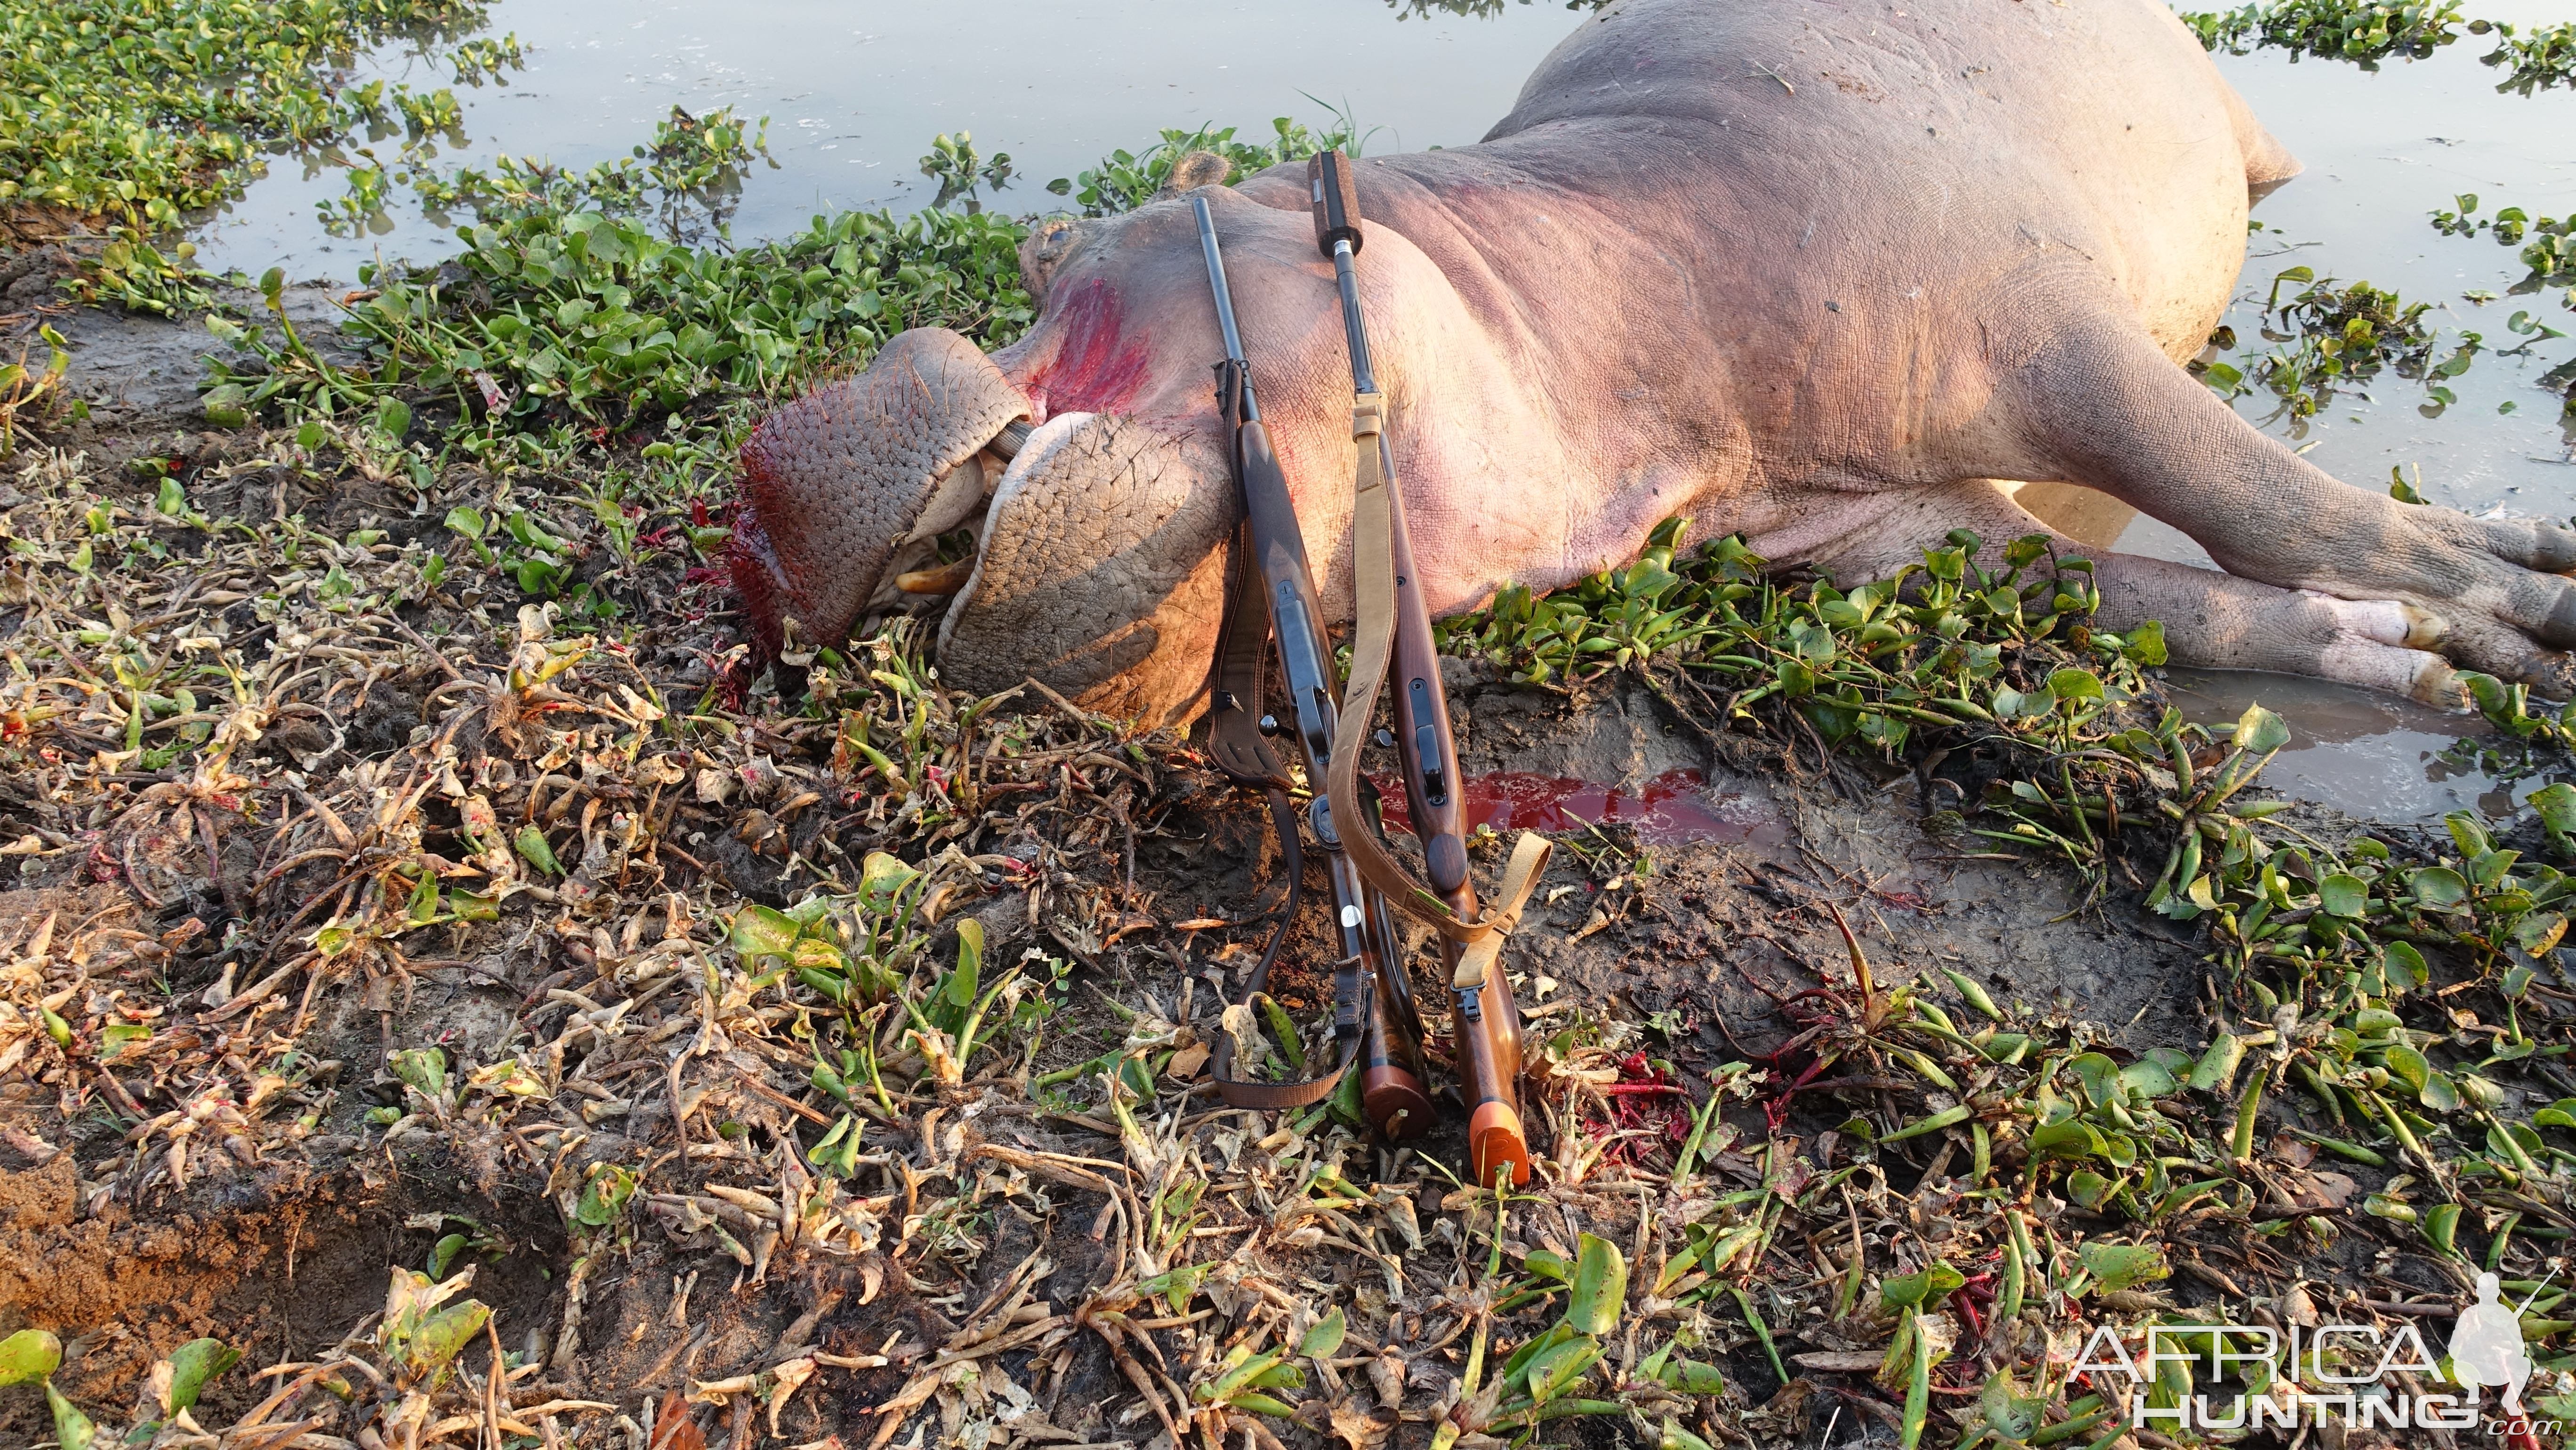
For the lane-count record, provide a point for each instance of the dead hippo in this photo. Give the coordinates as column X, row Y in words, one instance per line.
column 1826, row 275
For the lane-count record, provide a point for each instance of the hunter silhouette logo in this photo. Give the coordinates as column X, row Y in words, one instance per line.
column 2487, row 1347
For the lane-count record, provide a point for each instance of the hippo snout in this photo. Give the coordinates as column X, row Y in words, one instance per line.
column 848, row 485
column 1099, row 565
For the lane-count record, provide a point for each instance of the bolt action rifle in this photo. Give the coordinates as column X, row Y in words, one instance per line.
column 1394, row 628
column 1272, row 595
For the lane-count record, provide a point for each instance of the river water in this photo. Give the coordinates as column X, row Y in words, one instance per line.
column 855, row 89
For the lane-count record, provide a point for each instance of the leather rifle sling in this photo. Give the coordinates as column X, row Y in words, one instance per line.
column 1240, row 751
column 1373, row 586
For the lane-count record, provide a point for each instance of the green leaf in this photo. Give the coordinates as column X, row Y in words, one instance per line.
column 1261, row 1404
column 2409, row 1066
column 2261, row 732
column 604, row 1197
column 442, row 1255
column 193, row 1364
column 72, row 1429
column 1547, row 1264
column 122, row 1039
column 1176, row 1285
column 442, row 1335
column 2010, row 1413
column 29, row 1356
column 394, row 417
column 2075, row 685
column 2438, row 1093
column 2120, row 1266
column 1600, row 1286
column 531, row 844
column 1555, row 1370
column 2343, row 895
column 2148, row 1079
column 2556, row 806
column 2146, row 644
column 2438, row 888
column 837, row 1154
column 1692, row 1377
column 2400, row 960
column 759, row 931
column 225, row 407
column 423, row 1069
column 2099, row 1075
column 2217, row 1065
column 1921, row 1289
column 1947, row 1117
column 882, row 880
column 2539, row 932
column 2442, row 1227
column 2069, row 1138
column 1325, row 1338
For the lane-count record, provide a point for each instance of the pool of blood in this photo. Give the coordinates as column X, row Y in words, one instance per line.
column 1672, row 809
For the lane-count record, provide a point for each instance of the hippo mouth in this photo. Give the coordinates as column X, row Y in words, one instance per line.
column 1096, row 566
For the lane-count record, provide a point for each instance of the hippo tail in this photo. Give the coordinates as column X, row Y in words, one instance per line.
column 2268, row 163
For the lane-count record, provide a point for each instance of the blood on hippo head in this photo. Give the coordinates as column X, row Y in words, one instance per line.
column 1093, row 365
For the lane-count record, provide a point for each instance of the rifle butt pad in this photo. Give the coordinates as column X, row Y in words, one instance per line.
column 1395, row 1103
column 1497, row 1148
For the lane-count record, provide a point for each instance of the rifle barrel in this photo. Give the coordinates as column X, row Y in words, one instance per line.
column 1346, row 278
column 1224, row 299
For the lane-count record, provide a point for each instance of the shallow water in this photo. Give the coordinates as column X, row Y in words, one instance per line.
column 855, row 92
column 2383, row 150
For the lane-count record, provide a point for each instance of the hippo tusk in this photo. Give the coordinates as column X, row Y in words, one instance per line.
column 947, row 578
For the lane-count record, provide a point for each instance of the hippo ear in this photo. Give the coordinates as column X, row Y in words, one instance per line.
column 835, row 482
column 1197, row 169
column 1047, row 245
column 1102, row 572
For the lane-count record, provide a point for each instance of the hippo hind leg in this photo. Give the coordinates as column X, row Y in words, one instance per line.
column 2097, row 403
column 2214, row 620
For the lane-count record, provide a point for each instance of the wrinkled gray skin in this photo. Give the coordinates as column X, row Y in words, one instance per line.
column 1819, row 274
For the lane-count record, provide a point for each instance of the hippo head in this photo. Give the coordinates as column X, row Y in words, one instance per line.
column 1088, row 456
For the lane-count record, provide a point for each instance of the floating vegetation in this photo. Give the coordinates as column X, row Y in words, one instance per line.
column 962, row 171
column 2336, row 337
column 131, row 118
column 1125, row 180
column 2547, row 245
column 2545, row 57
column 2368, row 31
